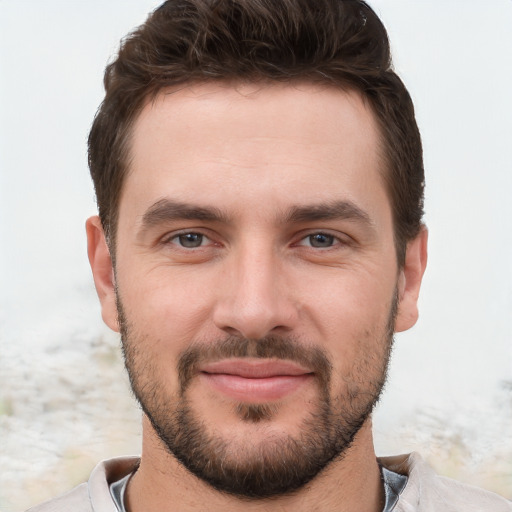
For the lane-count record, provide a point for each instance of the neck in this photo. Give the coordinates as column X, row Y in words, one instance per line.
column 349, row 483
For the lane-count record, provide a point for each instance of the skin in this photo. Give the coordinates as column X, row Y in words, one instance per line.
column 256, row 154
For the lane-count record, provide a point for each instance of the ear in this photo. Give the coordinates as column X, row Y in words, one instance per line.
column 409, row 281
column 102, row 271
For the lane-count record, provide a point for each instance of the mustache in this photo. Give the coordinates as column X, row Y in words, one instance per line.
column 269, row 347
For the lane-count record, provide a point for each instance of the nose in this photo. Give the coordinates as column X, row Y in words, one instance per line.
column 254, row 299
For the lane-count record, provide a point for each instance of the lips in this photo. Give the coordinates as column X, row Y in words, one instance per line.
column 255, row 380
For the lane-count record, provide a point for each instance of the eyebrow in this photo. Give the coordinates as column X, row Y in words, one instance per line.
column 166, row 210
column 337, row 210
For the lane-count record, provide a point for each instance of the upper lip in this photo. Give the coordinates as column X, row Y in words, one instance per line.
column 255, row 368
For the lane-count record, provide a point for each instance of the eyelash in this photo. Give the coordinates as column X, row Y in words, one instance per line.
column 334, row 240
column 175, row 238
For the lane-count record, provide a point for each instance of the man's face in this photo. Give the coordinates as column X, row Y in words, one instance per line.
column 256, row 279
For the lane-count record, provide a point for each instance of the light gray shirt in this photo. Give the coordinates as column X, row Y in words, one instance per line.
column 425, row 491
column 393, row 486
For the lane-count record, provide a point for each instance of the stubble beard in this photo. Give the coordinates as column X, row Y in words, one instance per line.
column 282, row 463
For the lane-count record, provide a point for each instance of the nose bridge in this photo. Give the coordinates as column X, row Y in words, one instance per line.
column 252, row 302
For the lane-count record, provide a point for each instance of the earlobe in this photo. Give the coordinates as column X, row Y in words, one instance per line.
column 409, row 281
column 102, row 271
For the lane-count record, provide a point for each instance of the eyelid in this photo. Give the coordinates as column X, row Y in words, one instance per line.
column 340, row 239
column 168, row 238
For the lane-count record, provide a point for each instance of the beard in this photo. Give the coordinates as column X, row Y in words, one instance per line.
column 282, row 462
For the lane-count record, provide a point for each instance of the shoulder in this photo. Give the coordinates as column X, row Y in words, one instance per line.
column 76, row 500
column 93, row 496
column 428, row 492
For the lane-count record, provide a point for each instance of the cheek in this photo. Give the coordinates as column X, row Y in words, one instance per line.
column 353, row 325
column 165, row 305
column 349, row 302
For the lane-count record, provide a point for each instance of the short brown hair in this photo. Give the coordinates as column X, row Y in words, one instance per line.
column 338, row 42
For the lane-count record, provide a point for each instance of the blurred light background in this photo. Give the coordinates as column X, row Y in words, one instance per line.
column 64, row 401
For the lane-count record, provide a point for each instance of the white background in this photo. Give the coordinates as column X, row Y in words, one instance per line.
column 450, row 389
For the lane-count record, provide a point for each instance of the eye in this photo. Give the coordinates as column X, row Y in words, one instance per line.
column 319, row 240
column 189, row 240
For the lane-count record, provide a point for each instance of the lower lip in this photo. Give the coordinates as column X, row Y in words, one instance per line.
column 255, row 390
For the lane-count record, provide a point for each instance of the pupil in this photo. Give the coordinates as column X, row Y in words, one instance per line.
column 191, row 240
column 321, row 240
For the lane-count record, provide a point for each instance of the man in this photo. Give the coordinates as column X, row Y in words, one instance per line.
column 259, row 178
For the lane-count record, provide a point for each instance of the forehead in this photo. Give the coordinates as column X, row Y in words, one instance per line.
column 301, row 110
column 254, row 139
